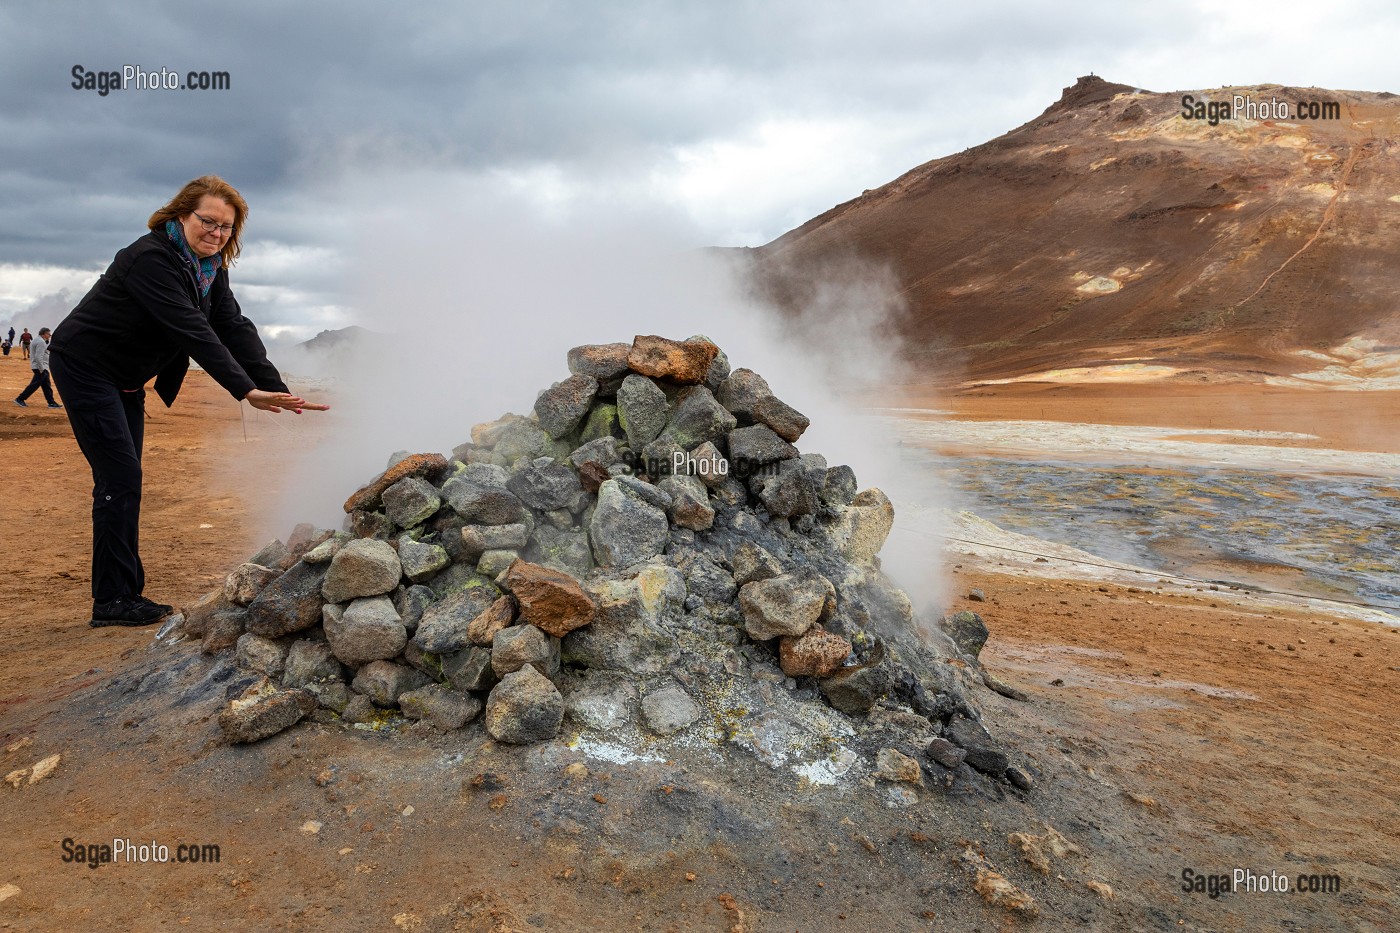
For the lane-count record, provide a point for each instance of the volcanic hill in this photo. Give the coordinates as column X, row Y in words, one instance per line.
column 1113, row 231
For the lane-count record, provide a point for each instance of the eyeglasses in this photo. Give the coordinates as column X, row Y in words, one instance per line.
column 210, row 226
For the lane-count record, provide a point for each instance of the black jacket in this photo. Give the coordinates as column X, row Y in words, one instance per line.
column 145, row 317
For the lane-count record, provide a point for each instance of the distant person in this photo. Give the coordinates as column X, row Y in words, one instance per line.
column 39, row 362
column 24, row 340
column 164, row 299
column 11, row 339
column 5, row 346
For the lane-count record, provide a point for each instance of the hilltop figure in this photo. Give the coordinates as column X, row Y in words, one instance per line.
column 39, row 362
column 164, row 299
column 24, row 340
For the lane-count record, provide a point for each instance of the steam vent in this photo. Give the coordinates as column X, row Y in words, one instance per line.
column 646, row 561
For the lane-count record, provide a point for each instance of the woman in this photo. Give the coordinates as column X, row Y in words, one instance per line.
column 164, row 299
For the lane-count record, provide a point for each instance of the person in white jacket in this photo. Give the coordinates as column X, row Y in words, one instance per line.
column 39, row 362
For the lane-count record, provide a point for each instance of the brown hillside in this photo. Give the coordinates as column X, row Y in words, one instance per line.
column 1112, row 228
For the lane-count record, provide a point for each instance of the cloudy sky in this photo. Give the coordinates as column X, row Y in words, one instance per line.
column 719, row 123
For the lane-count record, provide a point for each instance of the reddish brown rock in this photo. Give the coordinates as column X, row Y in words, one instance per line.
column 592, row 475
column 499, row 615
column 814, row 653
column 369, row 498
column 685, row 362
column 549, row 599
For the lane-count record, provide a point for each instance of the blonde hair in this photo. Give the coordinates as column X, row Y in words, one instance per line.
column 188, row 198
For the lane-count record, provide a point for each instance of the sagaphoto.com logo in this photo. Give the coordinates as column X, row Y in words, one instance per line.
column 134, row 77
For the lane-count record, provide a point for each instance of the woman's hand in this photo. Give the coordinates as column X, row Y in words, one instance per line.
column 276, row 401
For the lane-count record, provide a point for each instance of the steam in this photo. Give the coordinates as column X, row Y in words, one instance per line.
column 480, row 294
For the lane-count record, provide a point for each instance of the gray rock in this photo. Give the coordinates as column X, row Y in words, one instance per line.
column 661, row 458
column 480, row 502
column 223, row 629
column 753, row 447
column 633, row 629
column 709, row 465
column 562, row 408
column 523, row 438
column 626, row 528
column 641, row 409
column 333, row 695
column 697, row 418
column 790, row 494
column 492, row 563
column 519, row 645
column 362, row 524
column 411, row 501
column 855, row 690
column 741, row 391
column 310, row 661
column 362, row 568
column 469, row 669
column 647, row 492
column 602, row 451
column 669, row 710
column 524, row 707
column 545, row 485
column 445, row 624
column 410, row 602
column 690, row 502
column 983, row 753
column 425, row 661
column 752, row 563
column 602, row 707
column 838, row 487
column 420, row 561
column 788, row 604
column 261, row 654
column 359, row 709
column 271, row 554
column 945, row 753
column 562, row 519
column 787, row 422
column 288, row 604
column 369, row 629
column 477, row 539
column 1019, row 778
column 264, row 712
column 567, row 551
column 967, row 631
column 243, row 585
column 323, row 552
column 704, row 578
column 442, row 708
column 602, row 422
column 385, row 681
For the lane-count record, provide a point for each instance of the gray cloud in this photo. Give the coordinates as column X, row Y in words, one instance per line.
column 621, row 98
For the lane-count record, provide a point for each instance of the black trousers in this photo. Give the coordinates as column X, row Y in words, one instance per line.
column 40, row 381
column 110, row 425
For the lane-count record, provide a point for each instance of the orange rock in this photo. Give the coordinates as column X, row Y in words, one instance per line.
column 814, row 653
column 685, row 362
column 370, row 498
column 549, row 599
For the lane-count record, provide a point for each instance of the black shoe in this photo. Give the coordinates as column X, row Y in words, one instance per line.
column 161, row 606
column 125, row 610
column 21, row 404
column 54, row 405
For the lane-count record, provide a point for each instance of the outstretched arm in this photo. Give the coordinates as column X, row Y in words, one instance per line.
column 276, row 401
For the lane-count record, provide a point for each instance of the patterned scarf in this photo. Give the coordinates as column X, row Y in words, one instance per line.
column 204, row 269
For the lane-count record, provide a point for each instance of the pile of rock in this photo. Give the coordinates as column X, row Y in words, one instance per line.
column 646, row 551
